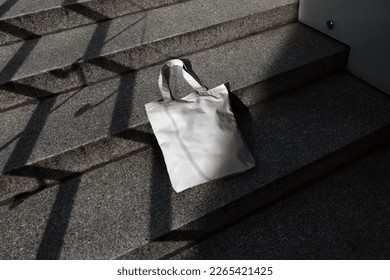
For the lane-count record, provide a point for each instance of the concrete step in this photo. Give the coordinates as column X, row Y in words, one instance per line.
column 73, row 58
column 80, row 130
column 25, row 19
column 125, row 204
column 345, row 215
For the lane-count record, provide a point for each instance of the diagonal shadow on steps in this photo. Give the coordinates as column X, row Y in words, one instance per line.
column 16, row 31
column 6, row 6
column 57, row 223
column 13, row 65
column 11, row 68
column 10, row 28
column 53, row 238
column 41, row 175
column 76, row 71
column 160, row 199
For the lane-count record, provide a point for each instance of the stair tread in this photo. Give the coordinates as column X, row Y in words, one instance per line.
column 56, row 125
column 118, row 207
column 319, row 223
column 14, row 8
column 84, row 43
column 19, row 8
column 22, row 20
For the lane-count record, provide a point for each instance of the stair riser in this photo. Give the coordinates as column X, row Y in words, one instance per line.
column 18, row 28
column 70, row 77
column 139, row 137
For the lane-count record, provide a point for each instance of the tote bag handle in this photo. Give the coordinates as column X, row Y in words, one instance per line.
column 164, row 85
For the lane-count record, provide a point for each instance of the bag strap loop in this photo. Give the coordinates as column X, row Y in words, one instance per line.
column 164, row 85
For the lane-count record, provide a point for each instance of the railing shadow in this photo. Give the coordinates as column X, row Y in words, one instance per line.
column 57, row 224
column 29, row 137
column 13, row 65
column 16, row 31
column 6, row 6
column 53, row 237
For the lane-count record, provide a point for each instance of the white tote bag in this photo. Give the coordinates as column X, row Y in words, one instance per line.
column 197, row 134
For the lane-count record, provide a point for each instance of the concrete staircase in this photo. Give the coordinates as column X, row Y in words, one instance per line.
column 82, row 176
column 345, row 215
